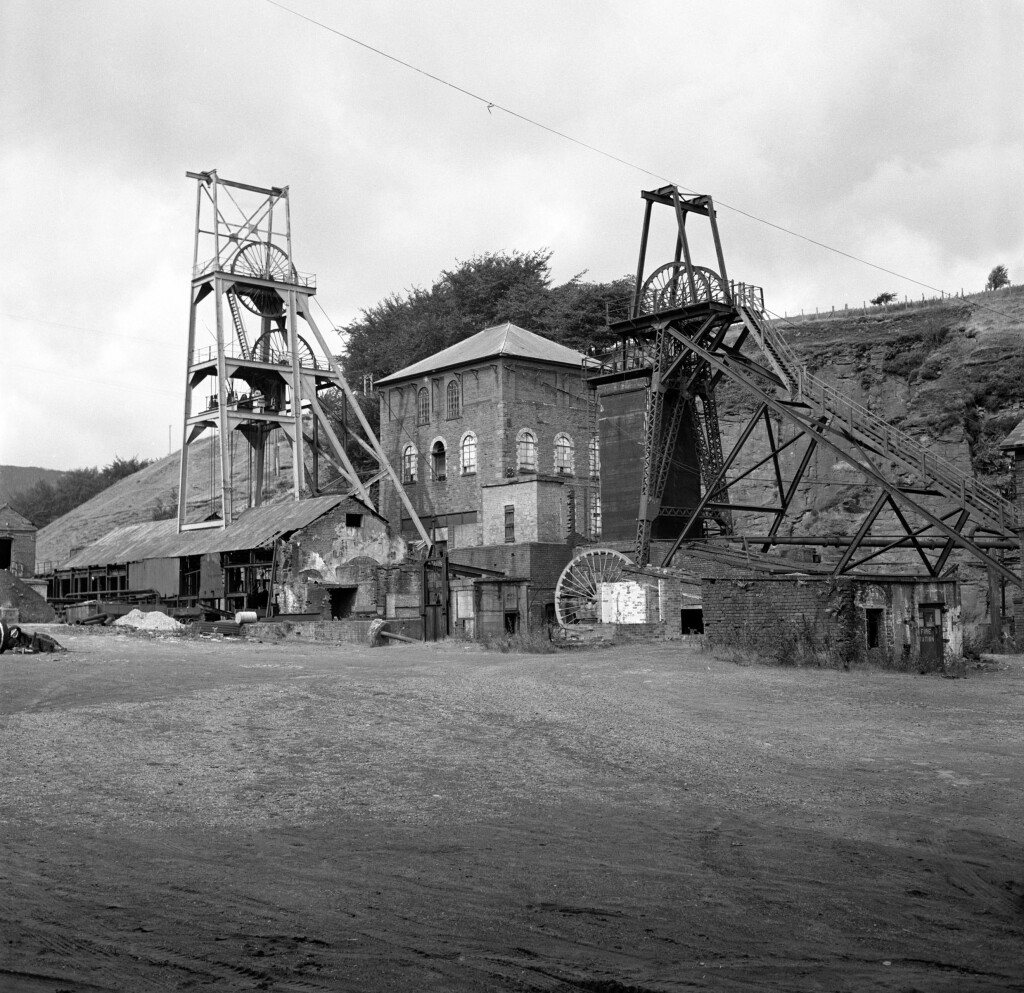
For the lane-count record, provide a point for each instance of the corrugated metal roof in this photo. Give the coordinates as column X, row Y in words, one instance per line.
column 160, row 539
column 503, row 339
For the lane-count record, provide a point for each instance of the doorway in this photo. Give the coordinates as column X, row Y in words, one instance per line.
column 343, row 602
column 930, row 625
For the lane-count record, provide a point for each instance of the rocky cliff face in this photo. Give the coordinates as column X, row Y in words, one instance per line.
column 950, row 374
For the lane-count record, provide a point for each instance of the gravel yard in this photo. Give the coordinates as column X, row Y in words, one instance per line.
column 181, row 813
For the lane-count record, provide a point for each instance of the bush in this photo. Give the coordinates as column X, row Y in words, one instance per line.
column 522, row 642
column 790, row 643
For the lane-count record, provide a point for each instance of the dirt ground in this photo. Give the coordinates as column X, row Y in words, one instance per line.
column 182, row 814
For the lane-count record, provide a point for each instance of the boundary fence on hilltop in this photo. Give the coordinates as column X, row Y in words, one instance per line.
column 907, row 303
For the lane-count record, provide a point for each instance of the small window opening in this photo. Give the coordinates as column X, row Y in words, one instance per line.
column 353, row 520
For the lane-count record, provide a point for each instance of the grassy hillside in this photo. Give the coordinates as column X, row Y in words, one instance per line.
column 15, row 478
column 149, row 494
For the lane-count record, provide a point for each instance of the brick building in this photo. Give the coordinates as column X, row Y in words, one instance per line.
column 899, row 622
column 496, row 442
column 17, row 543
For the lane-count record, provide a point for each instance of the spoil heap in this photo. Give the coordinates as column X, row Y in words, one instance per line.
column 31, row 607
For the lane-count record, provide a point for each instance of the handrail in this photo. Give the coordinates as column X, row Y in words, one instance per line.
column 233, row 350
column 932, row 465
column 216, row 264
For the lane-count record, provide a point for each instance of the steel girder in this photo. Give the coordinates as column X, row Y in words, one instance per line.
column 817, row 429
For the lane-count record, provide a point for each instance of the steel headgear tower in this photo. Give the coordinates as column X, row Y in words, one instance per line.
column 260, row 379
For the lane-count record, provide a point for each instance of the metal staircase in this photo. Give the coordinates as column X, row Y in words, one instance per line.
column 928, row 470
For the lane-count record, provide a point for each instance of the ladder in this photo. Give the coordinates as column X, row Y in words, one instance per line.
column 236, row 319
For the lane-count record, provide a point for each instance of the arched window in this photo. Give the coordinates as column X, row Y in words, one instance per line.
column 409, row 464
column 468, row 454
column 454, row 405
column 563, row 455
column 423, row 406
column 438, row 460
column 595, row 458
column 526, row 451
column 595, row 517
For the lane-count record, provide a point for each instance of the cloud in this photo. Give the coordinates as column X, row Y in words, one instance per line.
column 888, row 131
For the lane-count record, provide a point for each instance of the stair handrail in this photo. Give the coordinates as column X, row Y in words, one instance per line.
column 837, row 403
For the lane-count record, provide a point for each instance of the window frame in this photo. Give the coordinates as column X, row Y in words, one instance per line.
column 453, row 400
column 524, row 438
column 564, row 446
column 410, row 467
column 423, row 409
column 468, row 439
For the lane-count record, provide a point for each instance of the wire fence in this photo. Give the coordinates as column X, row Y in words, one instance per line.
column 907, row 303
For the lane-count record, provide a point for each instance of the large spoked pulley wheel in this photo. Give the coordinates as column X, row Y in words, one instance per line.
column 272, row 346
column 262, row 260
column 578, row 593
column 668, row 288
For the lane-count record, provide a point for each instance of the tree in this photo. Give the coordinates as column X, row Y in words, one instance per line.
column 45, row 502
column 486, row 290
column 998, row 277
column 883, row 298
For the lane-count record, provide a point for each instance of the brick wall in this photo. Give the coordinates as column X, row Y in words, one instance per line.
column 826, row 619
column 23, row 551
column 500, row 398
column 768, row 613
column 330, row 553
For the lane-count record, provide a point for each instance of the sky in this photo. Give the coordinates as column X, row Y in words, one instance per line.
column 892, row 132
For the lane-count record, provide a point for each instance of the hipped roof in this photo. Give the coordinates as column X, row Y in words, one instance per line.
column 503, row 339
column 253, row 528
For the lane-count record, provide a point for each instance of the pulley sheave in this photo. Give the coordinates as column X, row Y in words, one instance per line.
column 262, row 260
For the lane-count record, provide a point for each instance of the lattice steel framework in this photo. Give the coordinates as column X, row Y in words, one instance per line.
column 267, row 379
column 688, row 330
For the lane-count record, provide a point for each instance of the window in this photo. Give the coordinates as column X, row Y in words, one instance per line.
column 423, row 406
column 526, row 451
column 595, row 458
column 469, row 454
column 510, row 522
column 563, row 455
column 595, row 517
column 571, row 512
column 454, row 406
column 438, row 460
column 409, row 464
column 353, row 520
